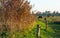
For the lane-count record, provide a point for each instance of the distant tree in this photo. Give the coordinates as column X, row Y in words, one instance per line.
column 57, row 13
column 53, row 13
column 49, row 13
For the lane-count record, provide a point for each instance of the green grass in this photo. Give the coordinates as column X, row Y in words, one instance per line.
column 53, row 29
column 56, row 28
column 45, row 33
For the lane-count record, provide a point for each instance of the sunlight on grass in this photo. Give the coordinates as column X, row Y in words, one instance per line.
column 45, row 33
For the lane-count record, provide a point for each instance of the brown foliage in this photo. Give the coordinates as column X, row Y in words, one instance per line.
column 16, row 15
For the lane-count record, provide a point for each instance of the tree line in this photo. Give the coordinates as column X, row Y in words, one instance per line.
column 48, row 13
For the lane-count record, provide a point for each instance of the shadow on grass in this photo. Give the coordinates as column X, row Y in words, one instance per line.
column 56, row 28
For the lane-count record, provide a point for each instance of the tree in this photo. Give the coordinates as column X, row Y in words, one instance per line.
column 16, row 14
column 53, row 13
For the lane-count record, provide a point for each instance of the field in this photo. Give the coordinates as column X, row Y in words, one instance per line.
column 53, row 27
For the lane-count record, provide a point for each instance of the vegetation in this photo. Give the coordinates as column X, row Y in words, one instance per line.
column 53, row 28
column 17, row 22
column 48, row 13
column 15, row 18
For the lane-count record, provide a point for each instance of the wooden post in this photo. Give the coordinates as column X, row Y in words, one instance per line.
column 37, row 32
column 46, row 22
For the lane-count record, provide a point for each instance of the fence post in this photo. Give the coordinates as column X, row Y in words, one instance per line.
column 46, row 22
column 37, row 32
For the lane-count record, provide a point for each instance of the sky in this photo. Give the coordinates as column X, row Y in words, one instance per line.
column 43, row 5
